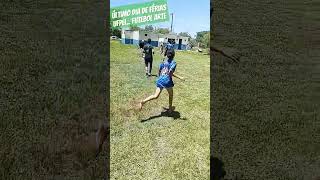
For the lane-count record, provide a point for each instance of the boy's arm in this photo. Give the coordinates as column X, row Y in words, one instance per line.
column 177, row 76
column 160, row 68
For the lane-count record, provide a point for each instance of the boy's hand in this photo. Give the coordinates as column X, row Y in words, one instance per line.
column 181, row 78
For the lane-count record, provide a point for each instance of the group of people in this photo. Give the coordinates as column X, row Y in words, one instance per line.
column 147, row 52
column 165, row 73
column 169, row 45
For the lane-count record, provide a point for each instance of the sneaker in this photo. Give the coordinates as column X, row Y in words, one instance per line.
column 169, row 110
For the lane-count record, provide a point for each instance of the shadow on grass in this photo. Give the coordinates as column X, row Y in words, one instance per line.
column 152, row 75
column 173, row 114
column 217, row 171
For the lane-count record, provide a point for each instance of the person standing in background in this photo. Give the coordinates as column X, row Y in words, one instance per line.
column 148, row 57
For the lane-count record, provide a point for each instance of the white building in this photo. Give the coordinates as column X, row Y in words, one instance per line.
column 134, row 37
column 180, row 42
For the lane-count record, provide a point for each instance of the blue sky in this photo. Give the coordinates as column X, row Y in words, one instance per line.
column 189, row 16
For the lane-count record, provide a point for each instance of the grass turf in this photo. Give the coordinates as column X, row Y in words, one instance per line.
column 147, row 145
column 52, row 66
column 266, row 108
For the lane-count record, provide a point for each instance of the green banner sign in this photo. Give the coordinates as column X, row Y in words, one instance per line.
column 139, row 14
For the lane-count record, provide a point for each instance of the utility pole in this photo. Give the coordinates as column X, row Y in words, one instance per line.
column 171, row 21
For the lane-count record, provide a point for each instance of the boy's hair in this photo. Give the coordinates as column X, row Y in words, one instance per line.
column 170, row 53
column 149, row 40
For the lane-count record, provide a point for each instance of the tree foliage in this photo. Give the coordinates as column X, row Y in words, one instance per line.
column 115, row 32
column 203, row 38
column 162, row 30
column 149, row 28
column 185, row 34
column 134, row 28
column 192, row 42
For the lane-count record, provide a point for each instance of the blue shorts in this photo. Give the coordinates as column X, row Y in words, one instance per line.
column 164, row 82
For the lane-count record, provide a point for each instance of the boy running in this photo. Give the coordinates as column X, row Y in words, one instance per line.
column 169, row 46
column 166, row 72
column 148, row 57
column 161, row 48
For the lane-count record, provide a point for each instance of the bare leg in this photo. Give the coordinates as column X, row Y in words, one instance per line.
column 170, row 92
column 152, row 97
column 149, row 68
column 146, row 66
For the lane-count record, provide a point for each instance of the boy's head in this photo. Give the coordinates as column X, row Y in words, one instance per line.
column 170, row 54
column 149, row 40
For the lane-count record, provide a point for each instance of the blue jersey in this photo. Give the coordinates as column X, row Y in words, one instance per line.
column 167, row 68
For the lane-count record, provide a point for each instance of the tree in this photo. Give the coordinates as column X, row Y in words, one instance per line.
column 192, row 42
column 206, row 40
column 203, row 38
column 200, row 36
column 149, row 28
column 115, row 32
column 163, row 31
column 134, row 28
column 185, row 34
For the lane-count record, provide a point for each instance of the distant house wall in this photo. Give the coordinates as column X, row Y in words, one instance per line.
column 127, row 37
column 184, row 41
column 123, row 37
column 135, row 37
column 145, row 35
column 161, row 39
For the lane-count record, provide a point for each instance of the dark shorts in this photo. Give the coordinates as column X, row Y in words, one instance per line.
column 147, row 61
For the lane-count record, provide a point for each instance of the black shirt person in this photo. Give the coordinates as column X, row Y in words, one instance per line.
column 148, row 58
column 141, row 44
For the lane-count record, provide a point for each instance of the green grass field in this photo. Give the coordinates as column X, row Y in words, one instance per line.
column 52, row 87
column 146, row 145
column 266, row 108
